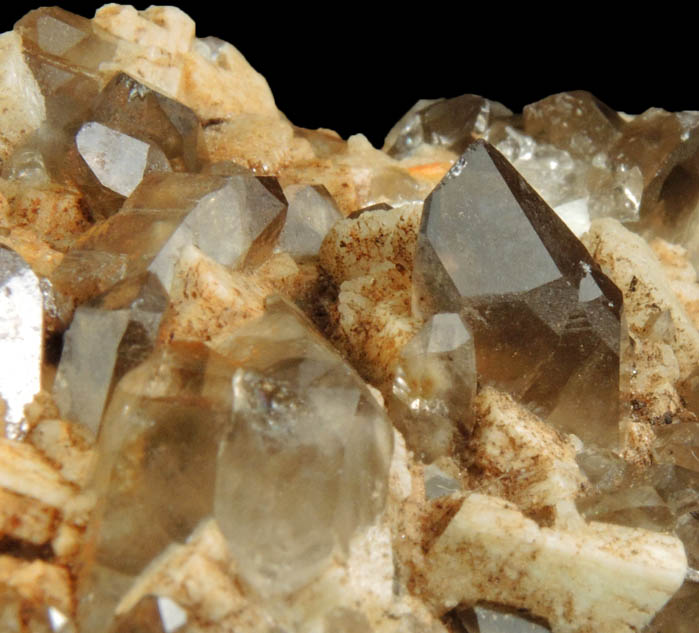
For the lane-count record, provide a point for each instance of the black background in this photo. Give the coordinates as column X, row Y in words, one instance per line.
column 358, row 68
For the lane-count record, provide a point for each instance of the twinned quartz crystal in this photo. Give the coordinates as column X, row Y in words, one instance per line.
column 263, row 379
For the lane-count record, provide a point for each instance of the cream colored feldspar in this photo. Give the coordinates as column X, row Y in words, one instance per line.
column 594, row 578
column 523, row 459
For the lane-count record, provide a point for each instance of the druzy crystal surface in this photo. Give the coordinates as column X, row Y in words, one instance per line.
column 262, row 379
column 545, row 318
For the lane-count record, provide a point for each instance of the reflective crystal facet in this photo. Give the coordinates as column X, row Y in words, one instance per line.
column 64, row 52
column 305, row 462
column 481, row 619
column 435, row 380
column 311, row 214
column 104, row 341
column 678, row 444
column 545, row 319
column 450, row 123
column 117, row 160
column 132, row 108
column 21, row 339
column 156, row 469
column 234, row 220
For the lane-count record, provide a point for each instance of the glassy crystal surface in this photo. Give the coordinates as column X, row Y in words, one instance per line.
column 482, row 619
column 64, row 52
column 680, row 614
column 135, row 110
column 104, row 341
column 152, row 614
column 574, row 121
column 21, row 339
column 435, row 380
column 305, row 462
column 451, row 123
column 678, row 444
column 234, row 220
column 311, row 214
column 118, row 161
column 545, row 319
column 156, row 469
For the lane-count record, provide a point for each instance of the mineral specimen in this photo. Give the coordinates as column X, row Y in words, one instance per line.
column 545, row 318
column 262, row 379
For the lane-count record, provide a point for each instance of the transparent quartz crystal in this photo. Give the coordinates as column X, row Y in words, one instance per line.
column 545, row 319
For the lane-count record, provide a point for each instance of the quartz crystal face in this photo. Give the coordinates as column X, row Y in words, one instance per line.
column 450, row 123
column 434, row 383
column 64, row 52
column 135, row 110
column 311, row 214
column 304, row 464
column 232, row 219
column 280, row 441
column 238, row 474
column 21, row 339
column 545, row 319
column 160, row 435
column 105, row 340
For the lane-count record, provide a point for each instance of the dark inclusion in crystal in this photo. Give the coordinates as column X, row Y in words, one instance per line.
column 545, row 319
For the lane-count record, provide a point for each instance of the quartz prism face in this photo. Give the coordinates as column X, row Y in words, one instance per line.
column 451, row 123
column 311, row 214
column 235, row 220
column 104, row 341
column 136, row 110
column 21, row 339
column 305, row 463
column 156, row 469
column 64, row 52
column 545, row 319
column 434, row 383
column 117, row 160
column 574, row 121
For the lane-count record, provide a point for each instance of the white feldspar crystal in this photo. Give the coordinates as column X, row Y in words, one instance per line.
column 21, row 338
column 634, row 268
column 522, row 458
column 21, row 102
column 597, row 577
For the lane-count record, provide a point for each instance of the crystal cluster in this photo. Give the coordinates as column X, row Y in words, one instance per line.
column 258, row 378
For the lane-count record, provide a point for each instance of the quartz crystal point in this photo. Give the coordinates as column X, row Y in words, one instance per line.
column 156, row 470
column 311, row 214
column 435, row 380
column 105, row 340
column 232, row 219
column 281, row 441
column 64, row 52
column 305, row 462
column 545, row 319
column 21, row 339
column 117, row 160
column 451, row 123
column 135, row 110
